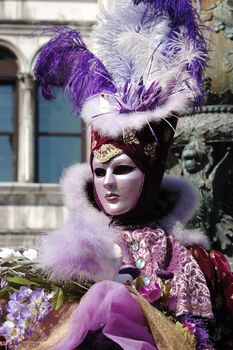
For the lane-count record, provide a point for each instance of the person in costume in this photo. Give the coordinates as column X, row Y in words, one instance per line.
column 153, row 281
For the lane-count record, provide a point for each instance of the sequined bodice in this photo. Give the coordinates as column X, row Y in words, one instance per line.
column 153, row 252
column 147, row 249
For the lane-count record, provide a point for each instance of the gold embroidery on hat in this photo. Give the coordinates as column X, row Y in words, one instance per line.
column 150, row 150
column 106, row 152
column 130, row 137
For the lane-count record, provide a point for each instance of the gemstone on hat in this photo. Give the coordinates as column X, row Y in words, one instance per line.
column 140, row 263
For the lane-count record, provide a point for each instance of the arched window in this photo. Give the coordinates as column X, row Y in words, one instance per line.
column 8, row 115
column 60, row 138
column 49, row 137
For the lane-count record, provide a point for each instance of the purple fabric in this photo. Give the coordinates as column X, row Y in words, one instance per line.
column 162, row 252
column 201, row 332
column 66, row 62
column 109, row 306
column 98, row 341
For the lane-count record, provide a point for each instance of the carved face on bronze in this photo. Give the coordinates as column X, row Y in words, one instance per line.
column 118, row 184
column 194, row 157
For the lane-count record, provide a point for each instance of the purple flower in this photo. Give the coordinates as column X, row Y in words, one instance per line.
column 3, row 282
column 19, row 310
column 37, row 296
column 22, row 294
column 13, row 332
column 6, row 328
column 24, row 309
column 190, row 325
column 41, row 305
column 44, row 310
column 152, row 292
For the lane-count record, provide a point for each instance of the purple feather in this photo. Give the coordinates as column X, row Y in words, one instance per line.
column 180, row 11
column 182, row 14
column 66, row 62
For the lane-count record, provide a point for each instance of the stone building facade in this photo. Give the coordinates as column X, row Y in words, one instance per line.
column 30, row 199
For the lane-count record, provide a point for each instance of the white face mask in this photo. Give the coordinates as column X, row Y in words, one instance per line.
column 118, row 184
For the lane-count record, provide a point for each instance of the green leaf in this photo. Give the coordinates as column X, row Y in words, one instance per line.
column 58, row 299
column 139, row 283
column 4, row 293
column 38, row 282
column 18, row 280
column 77, row 290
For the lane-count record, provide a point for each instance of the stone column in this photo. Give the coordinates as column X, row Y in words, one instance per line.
column 26, row 142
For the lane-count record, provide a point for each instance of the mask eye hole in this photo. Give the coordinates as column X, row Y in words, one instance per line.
column 123, row 169
column 100, row 172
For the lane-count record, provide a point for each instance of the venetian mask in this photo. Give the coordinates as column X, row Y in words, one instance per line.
column 118, row 184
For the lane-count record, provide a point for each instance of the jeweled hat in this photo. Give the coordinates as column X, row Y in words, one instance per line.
column 148, row 147
column 146, row 70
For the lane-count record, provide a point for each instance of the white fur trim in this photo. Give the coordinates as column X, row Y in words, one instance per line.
column 188, row 200
column 85, row 247
column 74, row 184
column 109, row 122
column 190, row 237
column 74, row 181
column 185, row 208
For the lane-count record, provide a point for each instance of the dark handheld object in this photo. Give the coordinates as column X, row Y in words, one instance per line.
column 132, row 271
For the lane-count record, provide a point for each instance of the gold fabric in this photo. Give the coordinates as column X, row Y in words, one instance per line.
column 106, row 152
column 167, row 335
column 52, row 331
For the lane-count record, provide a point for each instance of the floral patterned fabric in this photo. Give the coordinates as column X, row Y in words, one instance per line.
column 155, row 254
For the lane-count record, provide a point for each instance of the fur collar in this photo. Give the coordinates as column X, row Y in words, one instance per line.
column 74, row 183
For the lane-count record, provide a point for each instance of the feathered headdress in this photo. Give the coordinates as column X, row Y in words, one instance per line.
column 148, row 64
